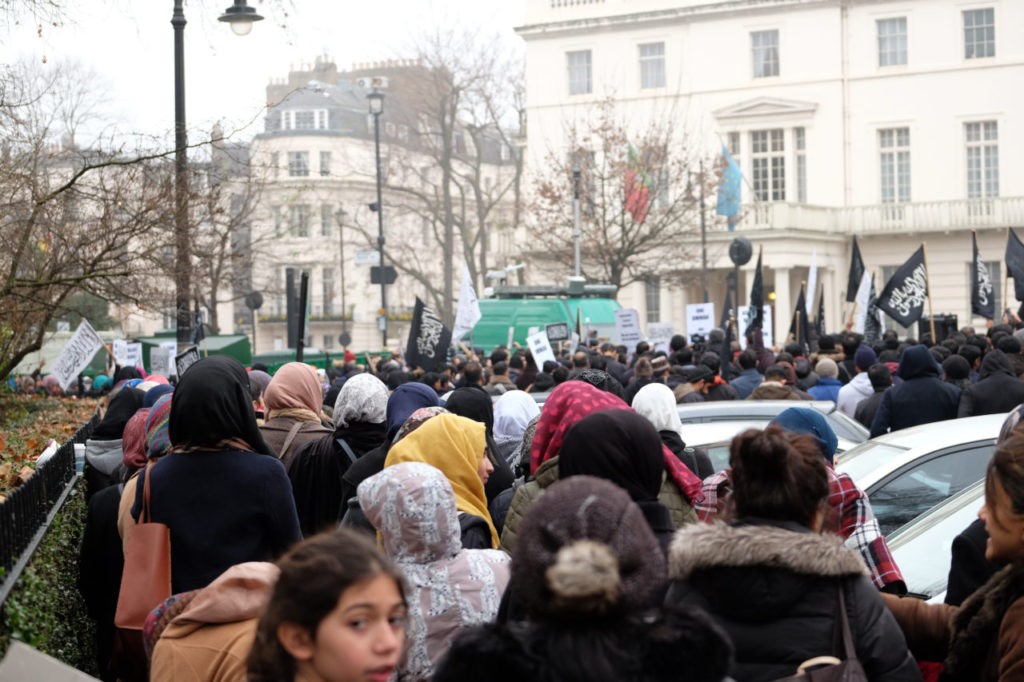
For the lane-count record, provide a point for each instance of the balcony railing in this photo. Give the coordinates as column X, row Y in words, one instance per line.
column 924, row 216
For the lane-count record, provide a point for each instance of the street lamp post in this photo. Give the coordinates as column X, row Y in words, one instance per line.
column 241, row 18
column 340, row 217
column 376, row 100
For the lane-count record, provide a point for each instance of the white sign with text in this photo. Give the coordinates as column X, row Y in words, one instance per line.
column 540, row 347
column 700, row 319
column 627, row 327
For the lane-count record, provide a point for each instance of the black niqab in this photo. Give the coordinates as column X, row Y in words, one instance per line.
column 212, row 404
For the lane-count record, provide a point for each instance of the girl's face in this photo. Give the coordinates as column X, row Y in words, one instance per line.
column 1005, row 527
column 361, row 639
column 485, row 469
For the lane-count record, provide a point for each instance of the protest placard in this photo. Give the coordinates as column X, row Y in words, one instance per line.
column 659, row 334
column 77, row 354
column 700, row 319
column 744, row 320
column 540, row 346
column 185, row 360
column 627, row 327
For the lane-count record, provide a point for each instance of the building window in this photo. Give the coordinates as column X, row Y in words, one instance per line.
column 982, row 159
column 652, row 65
column 403, row 133
column 765, row 47
column 298, row 164
column 325, row 164
column 892, row 41
column 326, row 220
column 894, row 158
column 800, row 142
column 579, row 66
column 652, row 297
column 304, row 119
column 979, row 33
column 328, row 341
column 298, row 219
column 328, row 290
column 275, row 164
column 768, row 162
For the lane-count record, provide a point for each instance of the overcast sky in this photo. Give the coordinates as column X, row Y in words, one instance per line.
column 129, row 45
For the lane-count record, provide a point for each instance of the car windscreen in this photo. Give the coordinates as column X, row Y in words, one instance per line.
column 865, row 458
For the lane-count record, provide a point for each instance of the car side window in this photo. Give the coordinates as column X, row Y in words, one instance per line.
column 917, row 488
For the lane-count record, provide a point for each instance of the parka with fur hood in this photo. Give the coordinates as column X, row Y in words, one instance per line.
column 773, row 586
column 413, row 507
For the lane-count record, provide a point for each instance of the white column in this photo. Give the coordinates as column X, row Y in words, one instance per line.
column 783, row 305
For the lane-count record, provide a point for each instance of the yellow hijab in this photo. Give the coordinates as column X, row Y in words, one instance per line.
column 455, row 445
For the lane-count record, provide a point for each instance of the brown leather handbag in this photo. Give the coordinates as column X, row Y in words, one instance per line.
column 145, row 583
column 830, row 668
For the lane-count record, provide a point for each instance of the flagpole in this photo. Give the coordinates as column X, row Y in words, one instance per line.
column 928, row 284
column 1006, row 276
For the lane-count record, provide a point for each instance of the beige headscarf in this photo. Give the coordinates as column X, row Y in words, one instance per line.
column 294, row 392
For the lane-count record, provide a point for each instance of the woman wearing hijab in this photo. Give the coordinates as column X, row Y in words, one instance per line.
column 103, row 452
column 317, row 467
column 657, row 403
column 473, row 403
column 293, row 400
column 457, row 446
column 405, row 400
column 224, row 496
column 570, row 402
column 512, row 414
column 621, row 447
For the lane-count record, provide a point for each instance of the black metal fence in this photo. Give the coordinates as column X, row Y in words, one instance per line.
column 26, row 508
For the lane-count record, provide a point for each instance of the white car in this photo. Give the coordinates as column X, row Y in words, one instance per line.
column 711, row 426
column 922, row 548
column 907, row 472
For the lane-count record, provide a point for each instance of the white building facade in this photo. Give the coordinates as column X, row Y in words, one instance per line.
column 896, row 122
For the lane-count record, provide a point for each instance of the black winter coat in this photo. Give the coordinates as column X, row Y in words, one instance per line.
column 774, row 588
column 999, row 390
column 922, row 398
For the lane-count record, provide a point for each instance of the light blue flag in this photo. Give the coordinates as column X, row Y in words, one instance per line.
column 729, row 189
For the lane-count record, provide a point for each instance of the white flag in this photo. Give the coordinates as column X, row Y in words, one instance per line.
column 861, row 301
column 77, row 354
column 468, row 313
column 812, row 284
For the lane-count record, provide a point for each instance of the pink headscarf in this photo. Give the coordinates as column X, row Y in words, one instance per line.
column 133, row 442
column 570, row 402
column 295, row 385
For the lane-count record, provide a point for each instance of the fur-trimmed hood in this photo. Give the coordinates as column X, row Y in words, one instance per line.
column 701, row 546
column 758, row 567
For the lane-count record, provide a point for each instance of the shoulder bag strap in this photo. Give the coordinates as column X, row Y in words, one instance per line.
column 347, row 449
column 849, row 652
column 145, row 516
column 296, row 427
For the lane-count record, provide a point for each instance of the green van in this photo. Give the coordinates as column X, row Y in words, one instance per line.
column 531, row 314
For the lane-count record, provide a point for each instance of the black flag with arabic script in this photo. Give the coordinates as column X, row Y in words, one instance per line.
column 1015, row 263
column 428, row 339
column 904, row 294
column 756, row 316
column 983, row 301
column 856, row 273
column 799, row 325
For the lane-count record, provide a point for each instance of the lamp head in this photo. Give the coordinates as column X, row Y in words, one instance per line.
column 241, row 17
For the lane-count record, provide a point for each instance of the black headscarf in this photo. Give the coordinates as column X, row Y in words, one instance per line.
column 122, row 406
column 473, row 403
column 212, row 404
column 620, row 446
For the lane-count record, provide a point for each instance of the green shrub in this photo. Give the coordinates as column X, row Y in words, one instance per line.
column 45, row 609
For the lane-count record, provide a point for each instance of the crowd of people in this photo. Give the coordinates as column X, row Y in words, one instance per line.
column 388, row 523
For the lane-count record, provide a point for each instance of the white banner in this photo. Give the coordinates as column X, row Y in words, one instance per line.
column 700, row 319
column 540, row 347
column 468, row 313
column 161, row 361
column 119, row 349
column 769, row 338
column 77, row 354
column 133, row 357
column 659, row 334
column 627, row 328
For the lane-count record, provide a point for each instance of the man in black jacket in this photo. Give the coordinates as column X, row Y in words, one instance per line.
column 922, row 398
column 881, row 379
column 997, row 391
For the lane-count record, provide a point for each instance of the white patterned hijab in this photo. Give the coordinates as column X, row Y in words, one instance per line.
column 363, row 398
column 657, row 402
column 513, row 412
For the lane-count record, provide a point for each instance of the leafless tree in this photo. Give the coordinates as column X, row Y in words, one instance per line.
column 72, row 219
column 639, row 212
